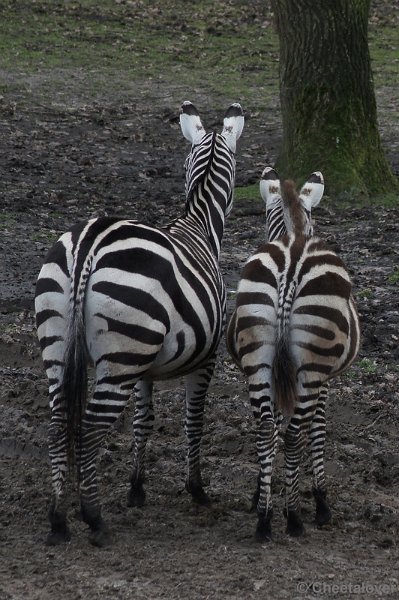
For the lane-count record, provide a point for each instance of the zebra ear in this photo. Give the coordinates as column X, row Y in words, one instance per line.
column 190, row 123
column 312, row 191
column 233, row 124
column 269, row 187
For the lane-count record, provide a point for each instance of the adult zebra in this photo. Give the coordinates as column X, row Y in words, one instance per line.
column 143, row 304
column 294, row 327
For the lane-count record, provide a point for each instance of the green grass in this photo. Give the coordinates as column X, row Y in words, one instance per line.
column 248, row 192
column 367, row 366
column 394, row 277
column 57, row 52
column 364, row 294
column 7, row 220
column 384, row 52
column 226, row 48
column 200, row 45
column 44, row 236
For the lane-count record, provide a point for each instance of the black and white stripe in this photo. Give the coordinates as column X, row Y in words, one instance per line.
column 143, row 304
column 294, row 328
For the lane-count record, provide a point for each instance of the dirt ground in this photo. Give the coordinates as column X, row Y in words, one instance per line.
column 61, row 163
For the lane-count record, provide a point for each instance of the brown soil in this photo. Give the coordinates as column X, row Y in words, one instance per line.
column 127, row 159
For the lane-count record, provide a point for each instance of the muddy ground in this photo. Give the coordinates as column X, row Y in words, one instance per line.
column 62, row 161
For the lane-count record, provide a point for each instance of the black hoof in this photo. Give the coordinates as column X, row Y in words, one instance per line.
column 323, row 512
column 198, row 494
column 136, row 496
column 294, row 524
column 59, row 533
column 100, row 538
column 99, row 535
column 263, row 531
column 59, row 536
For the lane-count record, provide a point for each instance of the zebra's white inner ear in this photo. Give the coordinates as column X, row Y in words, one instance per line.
column 312, row 191
column 190, row 123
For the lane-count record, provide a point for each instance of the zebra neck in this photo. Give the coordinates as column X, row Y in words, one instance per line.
column 206, row 212
column 275, row 223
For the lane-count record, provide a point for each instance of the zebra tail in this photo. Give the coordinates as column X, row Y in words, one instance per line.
column 284, row 378
column 74, row 384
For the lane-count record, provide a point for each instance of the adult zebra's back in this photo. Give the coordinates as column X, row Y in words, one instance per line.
column 142, row 303
column 294, row 327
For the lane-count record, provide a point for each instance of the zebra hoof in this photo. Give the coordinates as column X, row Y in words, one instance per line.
column 295, row 526
column 198, row 494
column 58, row 537
column 263, row 531
column 323, row 512
column 59, row 533
column 136, row 497
column 100, row 538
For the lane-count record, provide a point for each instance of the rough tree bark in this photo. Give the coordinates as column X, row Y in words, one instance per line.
column 327, row 96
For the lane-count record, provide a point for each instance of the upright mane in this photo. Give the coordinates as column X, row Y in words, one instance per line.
column 294, row 213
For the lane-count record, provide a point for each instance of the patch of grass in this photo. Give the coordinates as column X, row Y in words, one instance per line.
column 394, row 277
column 384, row 50
column 386, row 201
column 228, row 49
column 7, row 220
column 364, row 294
column 248, row 192
column 44, row 236
column 368, row 366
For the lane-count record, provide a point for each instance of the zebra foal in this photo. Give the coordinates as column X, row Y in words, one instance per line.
column 294, row 327
column 143, row 304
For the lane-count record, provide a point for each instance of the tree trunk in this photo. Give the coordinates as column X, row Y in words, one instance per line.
column 327, row 97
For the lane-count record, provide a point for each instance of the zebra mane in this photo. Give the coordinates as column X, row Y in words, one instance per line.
column 294, row 212
column 198, row 177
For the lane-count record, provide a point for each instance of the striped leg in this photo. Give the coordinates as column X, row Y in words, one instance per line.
column 142, row 425
column 266, row 444
column 317, row 437
column 197, row 384
column 296, row 436
column 52, row 329
column 58, row 443
column 294, row 445
column 101, row 412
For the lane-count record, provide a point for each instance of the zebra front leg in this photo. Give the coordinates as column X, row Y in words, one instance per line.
column 294, row 444
column 317, row 437
column 101, row 412
column 142, row 425
column 197, row 384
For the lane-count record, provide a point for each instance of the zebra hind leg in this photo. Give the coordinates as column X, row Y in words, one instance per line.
column 100, row 413
column 197, row 384
column 266, row 446
column 142, row 426
column 294, row 444
column 317, row 436
column 58, row 443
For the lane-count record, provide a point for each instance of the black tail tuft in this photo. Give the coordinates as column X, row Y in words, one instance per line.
column 284, row 378
column 75, row 386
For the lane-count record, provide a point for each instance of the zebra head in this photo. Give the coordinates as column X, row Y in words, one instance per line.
column 210, row 169
column 286, row 210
